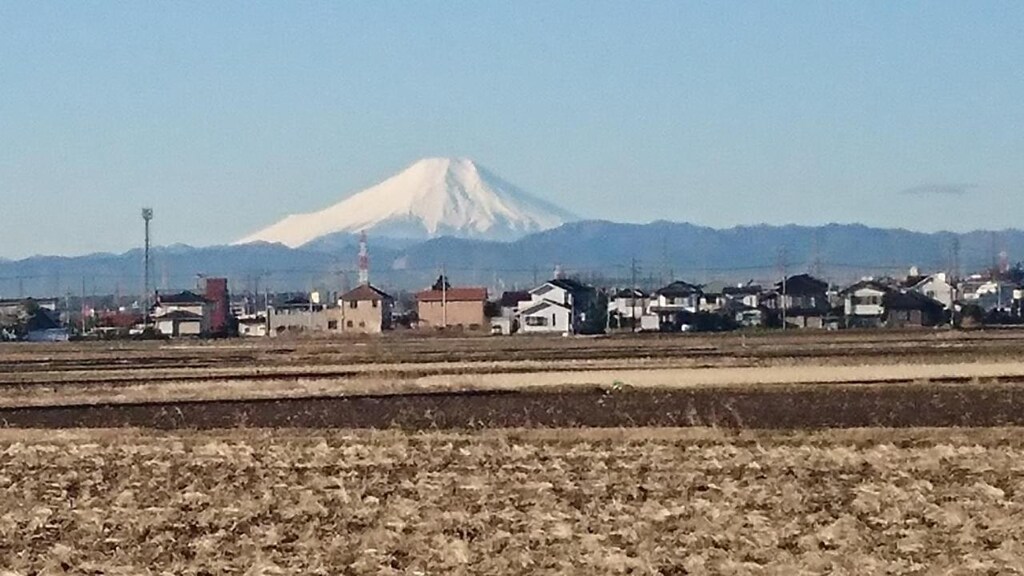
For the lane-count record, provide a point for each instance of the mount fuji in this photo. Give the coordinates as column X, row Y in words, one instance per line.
column 434, row 197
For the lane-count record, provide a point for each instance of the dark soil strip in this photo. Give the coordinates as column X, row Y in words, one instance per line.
column 778, row 408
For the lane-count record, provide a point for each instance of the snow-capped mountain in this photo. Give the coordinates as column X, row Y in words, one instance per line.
column 433, row 197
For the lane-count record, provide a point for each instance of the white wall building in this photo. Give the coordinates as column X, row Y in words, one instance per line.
column 863, row 303
column 938, row 288
column 545, row 316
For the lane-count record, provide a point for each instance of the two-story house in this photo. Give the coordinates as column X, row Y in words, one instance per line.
column 864, row 304
column 563, row 306
column 183, row 314
column 460, row 308
column 627, row 307
column 365, row 310
column 935, row 286
column 676, row 304
column 802, row 300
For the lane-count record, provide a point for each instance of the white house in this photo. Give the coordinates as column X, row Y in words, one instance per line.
column 179, row 323
column 864, row 303
column 937, row 287
column 182, row 314
column 675, row 303
column 545, row 316
column 252, row 325
column 507, row 322
column 300, row 315
column 678, row 296
column 628, row 307
column 747, row 294
column 989, row 294
column 561, row 306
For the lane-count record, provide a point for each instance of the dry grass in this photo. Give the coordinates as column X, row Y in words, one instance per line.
column 512, row 502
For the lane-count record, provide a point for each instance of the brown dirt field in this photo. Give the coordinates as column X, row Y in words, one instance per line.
column 660, row 502
column 778, row 407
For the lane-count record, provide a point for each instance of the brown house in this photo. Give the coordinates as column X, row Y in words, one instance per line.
column 453, row 308
column 365, row 310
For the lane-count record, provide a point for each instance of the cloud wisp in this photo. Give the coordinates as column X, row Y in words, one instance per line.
column 939, row 190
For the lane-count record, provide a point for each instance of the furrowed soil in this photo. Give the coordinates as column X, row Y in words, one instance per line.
column 654, row 501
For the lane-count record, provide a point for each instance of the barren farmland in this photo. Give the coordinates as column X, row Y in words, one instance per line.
column 651, row 501
column 874, row 453
column 740, row 381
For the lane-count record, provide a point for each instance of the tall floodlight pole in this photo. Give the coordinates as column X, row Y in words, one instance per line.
column 147, row 216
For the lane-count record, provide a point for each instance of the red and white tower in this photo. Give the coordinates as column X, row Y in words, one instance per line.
column 364, row 260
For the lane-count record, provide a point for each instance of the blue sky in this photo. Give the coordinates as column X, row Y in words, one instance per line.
column 226, row 116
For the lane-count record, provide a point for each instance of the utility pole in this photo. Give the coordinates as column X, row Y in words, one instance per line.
column 444, row 297
column 817, row 270
column 633, row 288
column 82, row 305
column 147, row 216
column 364, row 260
column 956, row 257
column 782, row 269
column 310, row 303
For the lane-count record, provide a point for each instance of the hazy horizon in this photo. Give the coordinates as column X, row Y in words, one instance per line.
column 226, row 117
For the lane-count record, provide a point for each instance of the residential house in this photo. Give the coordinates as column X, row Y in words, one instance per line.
column 935, row 286
column 301, row 315
column 748, row 294
column 713, row 297
column 627, row 307
column 675, row 305
column 18, row 306
column 43, row 325
column 803, row 301
column 462, row 308
column 508, row 306
column 743, row 315
column 179, row 324
column 114, row 322
column 908, row 308
column 183, row 314
column 989, row 294
column 562, row 306
column 252, row 326
column 365, row 310
column 863, row 304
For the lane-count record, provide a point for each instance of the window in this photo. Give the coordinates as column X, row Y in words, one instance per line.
column 554, row 320
column 867, row 300
column 375, row 304
column 536, row 321
column 332, row 324
column 362, row 324
column 353, row 304
column 349, row 323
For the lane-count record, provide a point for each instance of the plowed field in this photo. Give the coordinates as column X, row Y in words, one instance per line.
column 512, row 502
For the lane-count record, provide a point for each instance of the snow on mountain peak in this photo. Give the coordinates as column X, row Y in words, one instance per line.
column 432, row 197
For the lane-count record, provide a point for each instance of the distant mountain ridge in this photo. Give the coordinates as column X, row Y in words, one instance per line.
column 839, row 252
column 433, row 197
